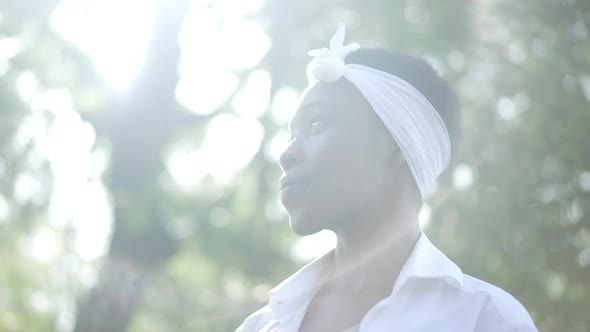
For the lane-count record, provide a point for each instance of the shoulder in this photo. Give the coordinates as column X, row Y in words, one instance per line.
column 256, row 320
column 501, row 311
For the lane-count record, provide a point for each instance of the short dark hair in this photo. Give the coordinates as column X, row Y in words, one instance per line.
column 423, row 77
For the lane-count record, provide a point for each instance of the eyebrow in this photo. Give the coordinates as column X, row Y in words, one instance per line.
column 314, row 104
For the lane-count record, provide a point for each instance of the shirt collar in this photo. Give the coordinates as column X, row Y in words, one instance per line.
column 425, row 262
column 298, row 289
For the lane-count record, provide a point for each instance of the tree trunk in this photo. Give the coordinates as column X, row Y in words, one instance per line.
column 138, row 125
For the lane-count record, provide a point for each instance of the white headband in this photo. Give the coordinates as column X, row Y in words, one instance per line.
column 410, row 118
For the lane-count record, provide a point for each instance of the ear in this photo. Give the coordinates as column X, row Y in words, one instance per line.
column 398, row 157
column 391, row 155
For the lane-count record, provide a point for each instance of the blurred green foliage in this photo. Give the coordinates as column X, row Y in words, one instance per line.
column 202, row 260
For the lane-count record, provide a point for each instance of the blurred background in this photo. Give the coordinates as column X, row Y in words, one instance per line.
column 139, row 142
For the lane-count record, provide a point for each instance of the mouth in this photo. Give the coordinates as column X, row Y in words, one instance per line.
column 293, row 190
column 291, row 181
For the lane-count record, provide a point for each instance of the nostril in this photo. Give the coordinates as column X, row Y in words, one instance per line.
column 289, row 158
column 289, row 161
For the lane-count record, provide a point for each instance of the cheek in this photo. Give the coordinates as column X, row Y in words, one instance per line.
column 347, row 170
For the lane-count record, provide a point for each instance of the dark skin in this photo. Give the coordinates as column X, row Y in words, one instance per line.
column 343, row 172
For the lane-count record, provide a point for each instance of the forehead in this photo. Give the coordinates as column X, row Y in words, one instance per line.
column 341, row 97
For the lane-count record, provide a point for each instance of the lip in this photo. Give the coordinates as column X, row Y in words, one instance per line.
column 293, row 189
column 294, row 193
column 290, row 181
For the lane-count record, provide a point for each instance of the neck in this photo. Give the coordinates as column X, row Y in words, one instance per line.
column 370, row 253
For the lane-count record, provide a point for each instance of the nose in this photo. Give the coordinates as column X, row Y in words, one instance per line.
column 292, row 155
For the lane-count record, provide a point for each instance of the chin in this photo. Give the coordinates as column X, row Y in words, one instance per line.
column 304, row 226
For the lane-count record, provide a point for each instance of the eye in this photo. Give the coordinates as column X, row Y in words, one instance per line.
column 316, row 126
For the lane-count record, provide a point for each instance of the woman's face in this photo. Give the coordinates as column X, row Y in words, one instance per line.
column 337, row 165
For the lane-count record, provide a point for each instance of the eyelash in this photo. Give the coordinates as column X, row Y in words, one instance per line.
column 314, row 121
column 311, row 122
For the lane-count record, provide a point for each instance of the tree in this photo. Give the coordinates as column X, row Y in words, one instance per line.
column 513, row 210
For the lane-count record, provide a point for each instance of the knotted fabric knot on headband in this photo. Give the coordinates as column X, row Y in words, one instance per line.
column 328, row 63
column 409, row 117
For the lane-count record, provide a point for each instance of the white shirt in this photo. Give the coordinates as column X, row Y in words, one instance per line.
column 431, row 293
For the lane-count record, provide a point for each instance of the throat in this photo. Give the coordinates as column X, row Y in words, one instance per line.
column 371, row 264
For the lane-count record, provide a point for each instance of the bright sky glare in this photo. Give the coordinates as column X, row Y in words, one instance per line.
column 113, row 33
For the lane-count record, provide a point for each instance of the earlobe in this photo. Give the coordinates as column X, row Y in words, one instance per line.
column 392, row 154
column 393, row 157
column 398, row 157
